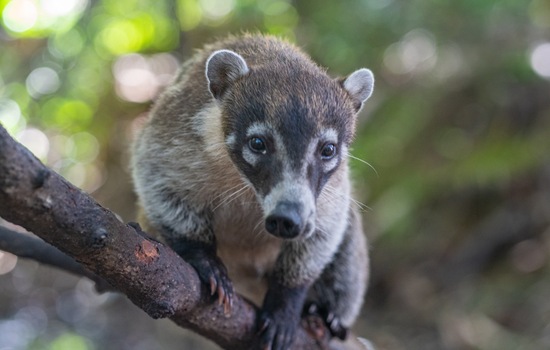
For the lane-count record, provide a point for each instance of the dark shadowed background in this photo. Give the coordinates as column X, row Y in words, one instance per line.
column 458, row 130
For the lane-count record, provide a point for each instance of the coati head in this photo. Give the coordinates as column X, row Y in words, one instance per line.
column 287, row 127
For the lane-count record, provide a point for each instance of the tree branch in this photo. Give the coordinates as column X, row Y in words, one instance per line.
column 25, row 246
column 154, row 277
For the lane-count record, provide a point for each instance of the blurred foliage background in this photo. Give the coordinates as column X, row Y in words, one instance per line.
column 458, row 130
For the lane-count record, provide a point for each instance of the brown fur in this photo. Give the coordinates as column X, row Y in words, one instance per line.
column 194, row 184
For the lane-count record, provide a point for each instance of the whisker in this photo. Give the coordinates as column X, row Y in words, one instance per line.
column 217, row 144
column 362, row 206
column 231, row 197
column 322, row 230
column 225, row 192
column 364, row 162
column 241, row 193
column 257, row 230
column 330, row 191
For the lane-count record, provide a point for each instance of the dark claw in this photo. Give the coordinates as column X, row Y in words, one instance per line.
column 213, row 285
column 213, row 273
column 221, row 295
column 337, row 330
column 264, row 323
column 312, row 309
column 227, row 304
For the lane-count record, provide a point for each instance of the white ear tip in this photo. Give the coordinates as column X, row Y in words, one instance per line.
column 368, row 74
column 228, row 56
column 223, row 67
column 365, row 73
column 360, row 84
column 223, row 52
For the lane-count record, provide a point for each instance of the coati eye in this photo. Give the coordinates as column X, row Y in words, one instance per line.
column 257, row 145
column 328, row 151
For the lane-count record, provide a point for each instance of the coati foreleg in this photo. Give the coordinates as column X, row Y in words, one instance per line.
column 338, row 294
column 188, row 231
column 299, row 264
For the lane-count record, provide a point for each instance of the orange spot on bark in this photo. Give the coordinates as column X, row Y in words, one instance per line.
column 146, row 252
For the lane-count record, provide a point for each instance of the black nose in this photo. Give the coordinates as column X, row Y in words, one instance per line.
column 285, row 220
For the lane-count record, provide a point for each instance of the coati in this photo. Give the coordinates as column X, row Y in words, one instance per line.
column 242, row 168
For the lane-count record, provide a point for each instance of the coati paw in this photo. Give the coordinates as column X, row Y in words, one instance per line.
column 213, row 273
column 332, row 322
column 276, row 332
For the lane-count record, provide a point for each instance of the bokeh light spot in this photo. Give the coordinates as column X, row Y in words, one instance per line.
column 15, row 334
column 67, row 44
column 415, row 53
column 60, row 8
column 139, row 78
column 216, row 9
column 42, row 81
column 67, row 114
column 36, row 141
column 189, row 14
column 20, row 15
column 70, row 342
column 120, row 37
column 540, row 60
column 10, row 115
column 38, row 18
column 86, row 147
column 7, row 262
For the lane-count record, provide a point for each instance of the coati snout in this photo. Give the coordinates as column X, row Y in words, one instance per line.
column 285, row 220
column 289, row 210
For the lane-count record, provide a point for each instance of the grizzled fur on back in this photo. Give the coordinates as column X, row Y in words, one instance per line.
column 200, row 180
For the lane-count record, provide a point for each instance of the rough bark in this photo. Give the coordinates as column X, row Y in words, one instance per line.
column 113, row 253
column 26, row 246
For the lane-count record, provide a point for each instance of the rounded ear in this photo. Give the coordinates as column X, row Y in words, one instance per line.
column 223, row 67
column 359, row 86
